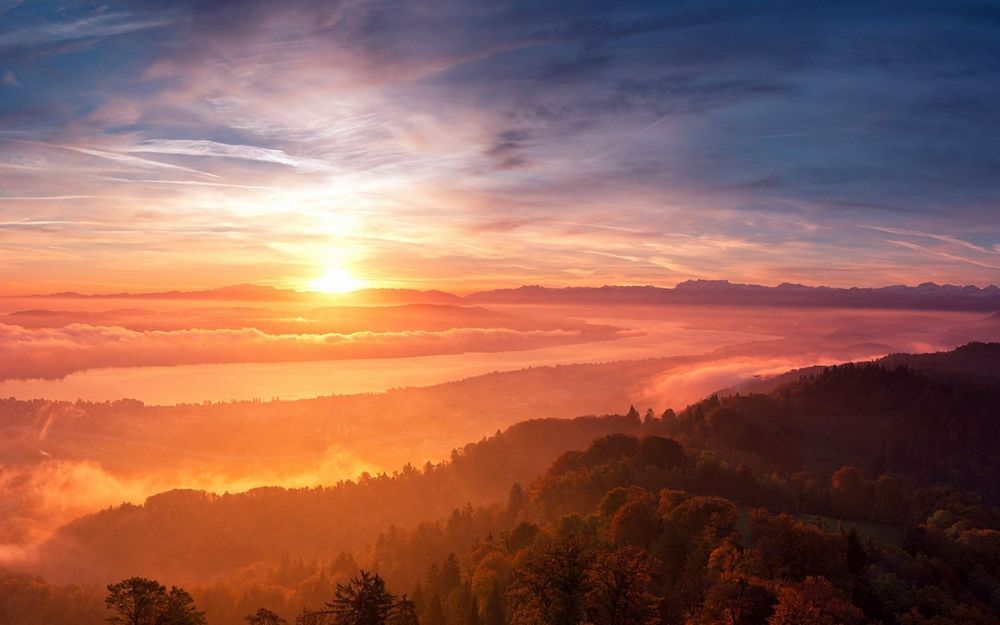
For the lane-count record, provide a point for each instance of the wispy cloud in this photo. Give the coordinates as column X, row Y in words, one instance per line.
column 204, row 148
column 102, row 25
column 525, row 146
column 943, row 254
column 938, row 237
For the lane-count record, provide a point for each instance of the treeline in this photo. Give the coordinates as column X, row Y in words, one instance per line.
column 898, row 421
column 685, row 554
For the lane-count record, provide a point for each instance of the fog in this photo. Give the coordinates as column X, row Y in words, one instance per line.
column 61, row 460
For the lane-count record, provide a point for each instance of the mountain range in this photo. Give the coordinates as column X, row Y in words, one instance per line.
column 925, row 296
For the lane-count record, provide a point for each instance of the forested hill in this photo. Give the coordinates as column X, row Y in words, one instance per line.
column 932, row 428
column 734, row 510
column 973, row 360
column 194, row 535
column 899, row 422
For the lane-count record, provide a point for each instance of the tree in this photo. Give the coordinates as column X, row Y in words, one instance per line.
column 857, row 557
column 450, row 575
column 308, row 617
column 737, row 600
column 517, row 500
column 619, row 589
column 852, row 494
column 404, row 613
column 550, row 584
column 637, row 521
column 362, row 601
column 141, row 601
column 136, row 601
column 494, row 610
column 814, row 602
column 181, row 609
column 263, row 616
column 434, row 613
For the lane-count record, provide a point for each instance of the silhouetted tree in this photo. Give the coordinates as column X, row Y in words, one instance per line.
column 181, row 609
column 263, row 616
column 141, row 601
column 362, row 601
column 404, row 613
column 309, row 617
column 136, row 601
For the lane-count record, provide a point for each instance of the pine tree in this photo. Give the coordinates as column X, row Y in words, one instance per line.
column 404, row 613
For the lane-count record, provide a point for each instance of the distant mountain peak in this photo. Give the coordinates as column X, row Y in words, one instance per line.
column 927, row 295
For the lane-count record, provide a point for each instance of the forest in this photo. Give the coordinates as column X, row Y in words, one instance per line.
column 730, row 511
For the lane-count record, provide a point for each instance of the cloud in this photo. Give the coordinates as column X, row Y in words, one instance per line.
column 56, row 352
column 203, row 148
column 100, row 25
column 709, row 119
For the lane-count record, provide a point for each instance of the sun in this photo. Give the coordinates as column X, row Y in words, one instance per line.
column 336, row 280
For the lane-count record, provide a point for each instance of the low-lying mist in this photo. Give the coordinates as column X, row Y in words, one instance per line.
column 62, row 459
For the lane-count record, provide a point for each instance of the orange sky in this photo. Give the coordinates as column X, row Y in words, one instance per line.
column 193, row 145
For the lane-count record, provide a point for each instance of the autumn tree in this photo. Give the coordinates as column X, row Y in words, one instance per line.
column 618, row 589
column 736, row 600
column 550, row 585
column 814, row 602
column 637, row 520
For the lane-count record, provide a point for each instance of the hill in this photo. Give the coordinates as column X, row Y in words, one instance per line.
column 198, row 536
column 928, row 426
column 899, row 422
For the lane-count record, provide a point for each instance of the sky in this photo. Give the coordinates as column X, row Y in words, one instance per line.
column 471, row 145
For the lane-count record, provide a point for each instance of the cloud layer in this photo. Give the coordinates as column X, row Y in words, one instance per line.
column 57, row 352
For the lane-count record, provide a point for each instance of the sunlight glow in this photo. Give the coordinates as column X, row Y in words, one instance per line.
column 336, row 280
